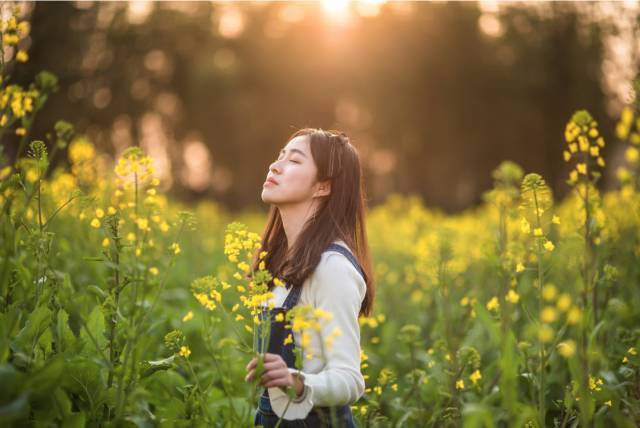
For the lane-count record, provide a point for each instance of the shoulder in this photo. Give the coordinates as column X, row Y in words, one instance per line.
column 335, row 274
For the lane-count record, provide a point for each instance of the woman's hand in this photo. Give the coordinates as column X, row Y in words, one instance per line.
column 276, row 373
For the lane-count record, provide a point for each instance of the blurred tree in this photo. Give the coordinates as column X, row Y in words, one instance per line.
column 435, row 95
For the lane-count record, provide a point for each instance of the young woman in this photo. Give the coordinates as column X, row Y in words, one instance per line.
column 316, row 242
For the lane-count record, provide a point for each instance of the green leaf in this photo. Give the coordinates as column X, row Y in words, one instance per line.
column 74, row 420
column 65, row 336
column 11, row 381
column 96, row 326
column 42, row 382
column 9, row 323
column 14, row 410
column 97, row 291
column 150, row 367
column 37, row 323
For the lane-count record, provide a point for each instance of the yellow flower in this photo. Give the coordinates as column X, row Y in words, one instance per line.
column 279, row 317
column 549, row 292
column 153, row 270
column 574, row 315
column 22, row 56
column 188, row 316
column 549, row 246
column 567, row 348
column 111, row 210
column 567, row 155
column 105, row 242
column 594, row 151
column 288, row 339
column 583, row 143
column 239, row 317
column 564, row 302
column 632, row 351
column 595, row 383
column 632, row 155
column 143, row 224
column 185, row 351
column 493, row 304
column 608, row 403
column 243, row 266
column 581, row 168
column 460, row 384
column 475, row 376
column 277, row 282
column 131, row 236
column 175, row 248
column 545, row 334
column 537, row 231
column 21, row 131
column 555, row 219
column 601, row 162
column 512, row 297
column 519, row 267
column 95, row 223
column 524, row 226
column 99, row 213
column 548, row 314
column 573, row 176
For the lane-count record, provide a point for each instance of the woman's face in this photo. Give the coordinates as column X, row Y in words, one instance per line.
column 294, row 173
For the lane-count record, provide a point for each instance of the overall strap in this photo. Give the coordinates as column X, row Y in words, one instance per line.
column 345, row 252
column 294, row 294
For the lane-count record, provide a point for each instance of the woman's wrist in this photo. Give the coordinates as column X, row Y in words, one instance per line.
column 298, row 384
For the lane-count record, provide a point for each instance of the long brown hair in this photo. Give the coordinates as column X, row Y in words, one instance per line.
column 340, row 215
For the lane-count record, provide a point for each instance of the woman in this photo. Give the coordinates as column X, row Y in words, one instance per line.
column 316, row 241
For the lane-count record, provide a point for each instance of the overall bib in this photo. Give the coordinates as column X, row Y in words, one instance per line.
column 318, row 416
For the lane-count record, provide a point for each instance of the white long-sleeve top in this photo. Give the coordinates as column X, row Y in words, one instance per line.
column 335, row 286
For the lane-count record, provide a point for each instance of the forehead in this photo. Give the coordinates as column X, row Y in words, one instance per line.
column 301, row 142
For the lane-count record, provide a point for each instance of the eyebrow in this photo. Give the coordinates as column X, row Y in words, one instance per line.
column 295, row 151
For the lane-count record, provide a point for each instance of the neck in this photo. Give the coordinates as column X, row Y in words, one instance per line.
column 294, row 218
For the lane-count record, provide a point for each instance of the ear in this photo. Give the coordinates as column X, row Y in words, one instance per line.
column 323, row 189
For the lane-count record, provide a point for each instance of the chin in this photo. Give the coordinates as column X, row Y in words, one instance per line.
column 266, row 198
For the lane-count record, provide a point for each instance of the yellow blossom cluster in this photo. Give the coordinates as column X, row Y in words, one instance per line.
column 238, row 240
column 558, row 307
column 81, row 155
column 307, row 320
column 13, row 32
column 628, row 129
column 584, row 143
column 630, row 352
column 206, row 290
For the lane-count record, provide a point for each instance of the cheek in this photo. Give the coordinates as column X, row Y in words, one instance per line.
column 300, row 177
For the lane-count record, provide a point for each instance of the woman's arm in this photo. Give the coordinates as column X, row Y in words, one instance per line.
column 336, row 287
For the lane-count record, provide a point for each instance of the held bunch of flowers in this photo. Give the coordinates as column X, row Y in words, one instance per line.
column 242, row 296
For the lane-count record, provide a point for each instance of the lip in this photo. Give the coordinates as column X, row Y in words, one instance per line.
column 270, row 181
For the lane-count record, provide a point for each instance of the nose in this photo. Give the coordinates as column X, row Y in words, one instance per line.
column 274, row 167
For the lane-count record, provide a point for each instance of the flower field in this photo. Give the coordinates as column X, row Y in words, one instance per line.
column 122, row 307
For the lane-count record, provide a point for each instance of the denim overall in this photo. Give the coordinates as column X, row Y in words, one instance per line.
column 318, row 416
